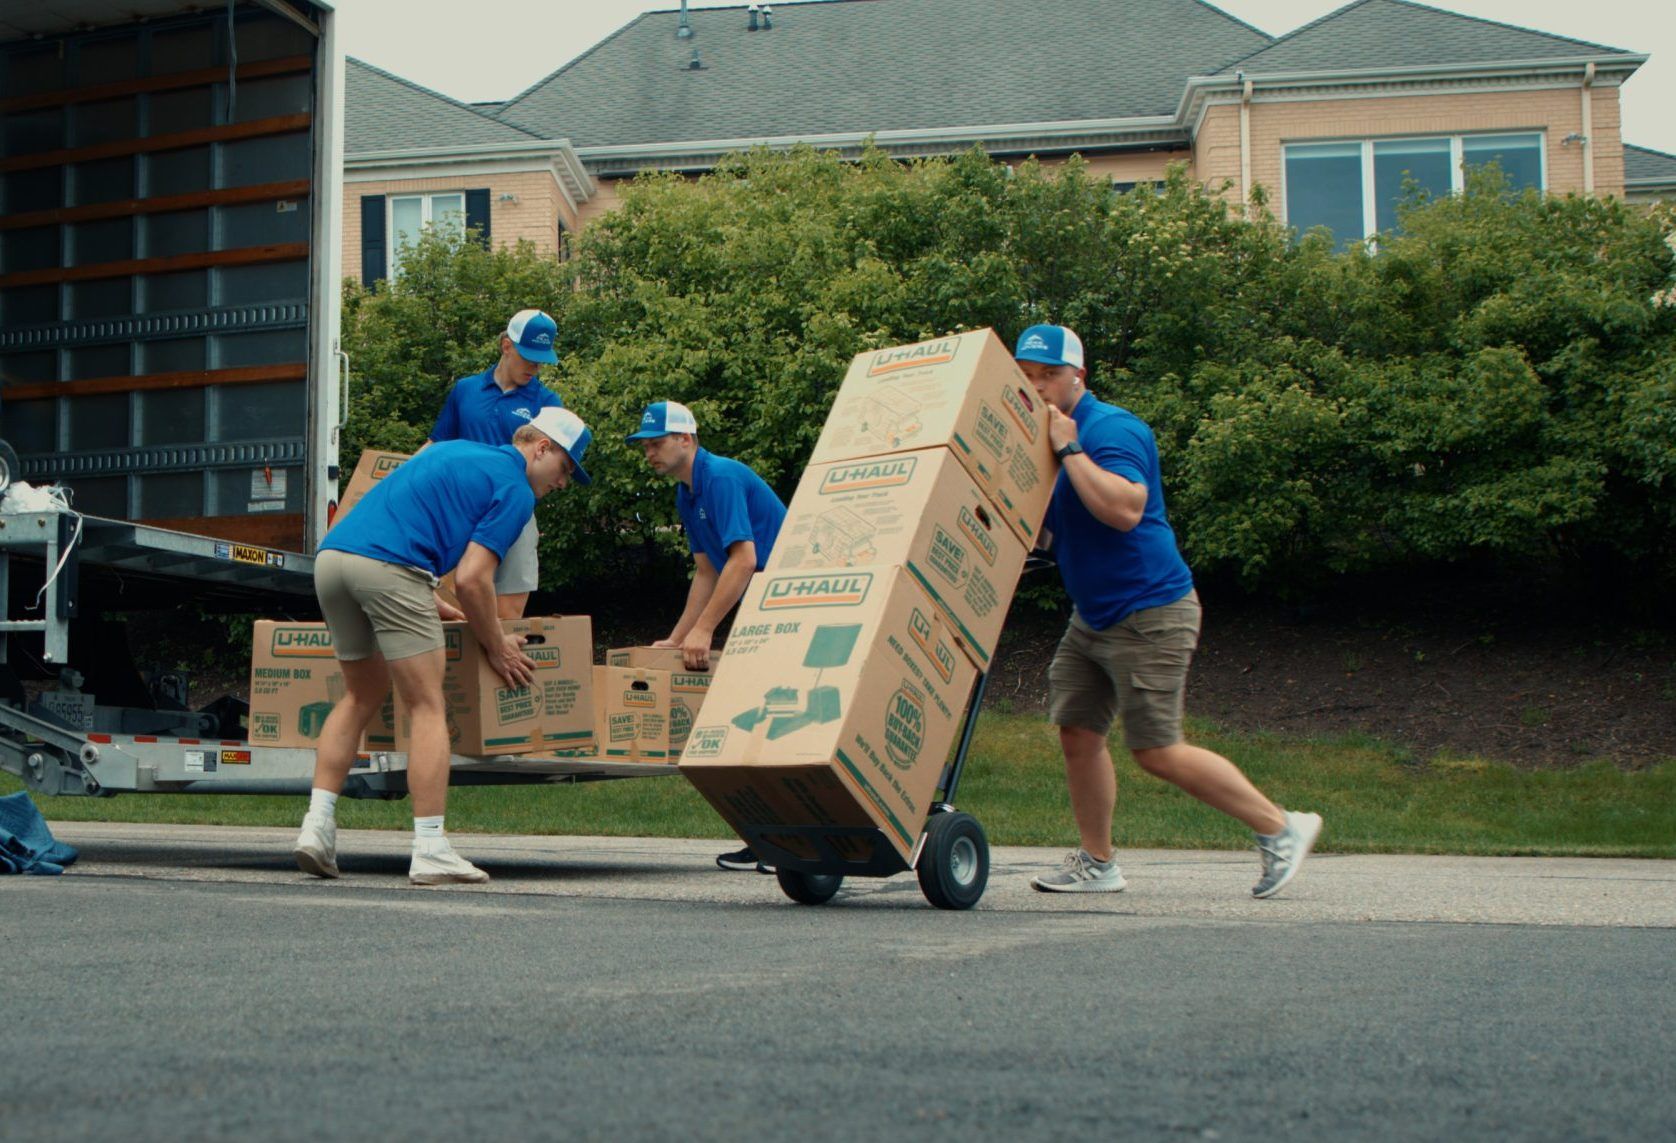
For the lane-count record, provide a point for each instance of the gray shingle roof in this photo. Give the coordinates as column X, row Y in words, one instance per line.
column 1645, row 165
column 388, row 113
column 1380, row 34
column 842, row 66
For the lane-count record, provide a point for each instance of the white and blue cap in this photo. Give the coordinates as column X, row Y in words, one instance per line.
column 533, row 333
column 566, row 430
column 664, row 417
column 1050, row 345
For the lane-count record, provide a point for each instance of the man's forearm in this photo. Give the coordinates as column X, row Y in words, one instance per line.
column 729, row 587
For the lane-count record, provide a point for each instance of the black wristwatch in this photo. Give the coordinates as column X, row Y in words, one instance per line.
column 1068, row 448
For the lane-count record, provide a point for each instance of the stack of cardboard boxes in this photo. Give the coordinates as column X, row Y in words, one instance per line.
column 854, row 651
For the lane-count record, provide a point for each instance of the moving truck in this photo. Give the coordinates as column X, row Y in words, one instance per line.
column 170, row 262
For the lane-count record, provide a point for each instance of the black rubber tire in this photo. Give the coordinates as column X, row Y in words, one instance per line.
column 809, row 888
column 954, row 865
column 11, row 472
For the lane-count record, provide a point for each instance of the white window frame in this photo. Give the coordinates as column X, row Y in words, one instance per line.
column 1370, row 201
column 427, row 213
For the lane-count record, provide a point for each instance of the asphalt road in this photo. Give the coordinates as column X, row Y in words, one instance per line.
column 188, row 984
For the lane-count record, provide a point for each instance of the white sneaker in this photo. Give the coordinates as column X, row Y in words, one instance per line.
column 1081, row 873
column 1283, row 853
column 316, row 850
column 440, row 865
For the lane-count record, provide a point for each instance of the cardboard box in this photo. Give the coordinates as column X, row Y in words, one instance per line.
column 631, row 714
column 369, row 470
column 686, row 688
column 295, row 681
column 964, row 392
column 487, row 717
column 564, row 680
column 837, row 703
column 917, row 509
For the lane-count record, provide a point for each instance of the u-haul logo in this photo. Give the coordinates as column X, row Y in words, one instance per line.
column 1022, row 409
column 453, row 644
column 938, row 352
column 301, row 643
column 816, row 591
column 640, row 699
column 981, row 540
column 383, row 466
column 869, row 474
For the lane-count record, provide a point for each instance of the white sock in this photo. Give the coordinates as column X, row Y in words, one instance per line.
column 324, row 803
column 428, row 830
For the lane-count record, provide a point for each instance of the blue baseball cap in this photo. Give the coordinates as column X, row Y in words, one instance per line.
column 566, row 430
column 1049, row 345
column 533, row 332
column 662, row 418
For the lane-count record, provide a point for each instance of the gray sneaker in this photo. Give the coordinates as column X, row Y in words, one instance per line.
column 440, row 865
column 1081, row 873
column 316, row 850
column 1283, row 853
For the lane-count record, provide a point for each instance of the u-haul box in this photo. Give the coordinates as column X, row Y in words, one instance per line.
column 917, row 509
column 686, row 688
column 837, row 703
column 295, row 681
column 964, row 392
column 631, row 717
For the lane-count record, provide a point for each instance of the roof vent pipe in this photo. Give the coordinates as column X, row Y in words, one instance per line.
column 752, row 26
column 767, row 17
column 684, row 29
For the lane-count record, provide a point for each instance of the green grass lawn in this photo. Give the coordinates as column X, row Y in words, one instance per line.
column 1375, row 798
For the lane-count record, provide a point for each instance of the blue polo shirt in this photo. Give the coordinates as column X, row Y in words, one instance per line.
column 1111, row 574
column 727, row 503
column 477, row 410
column 425, row 513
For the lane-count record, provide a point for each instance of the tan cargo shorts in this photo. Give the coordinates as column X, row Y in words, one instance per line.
column 1135, row 670
column 372, row 607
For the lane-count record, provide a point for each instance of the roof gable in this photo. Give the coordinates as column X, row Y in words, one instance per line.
column 388, row 113
column 1380, row 35
column 846, row 66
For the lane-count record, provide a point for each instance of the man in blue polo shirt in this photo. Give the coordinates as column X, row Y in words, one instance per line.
column 1133, row 631
column 732, row 518
column 488, row 407
column 455, row 507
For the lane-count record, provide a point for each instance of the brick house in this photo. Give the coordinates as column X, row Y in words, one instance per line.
column 1329, row 119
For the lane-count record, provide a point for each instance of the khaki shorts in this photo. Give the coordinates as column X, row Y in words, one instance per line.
column 518, row 572
column 1136, row 670
column 374, row 608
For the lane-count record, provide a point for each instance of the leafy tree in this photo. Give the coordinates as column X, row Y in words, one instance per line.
column 1495, row 379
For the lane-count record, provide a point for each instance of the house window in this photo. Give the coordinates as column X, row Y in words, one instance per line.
column 1353, row 188
column 410, row 214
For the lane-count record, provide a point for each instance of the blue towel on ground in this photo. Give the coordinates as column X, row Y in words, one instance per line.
column 26, row 844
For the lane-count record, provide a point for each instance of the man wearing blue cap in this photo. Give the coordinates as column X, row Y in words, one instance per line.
column 732, row 518
column 488, row 407
column 1133, row 631
column 455, row 507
